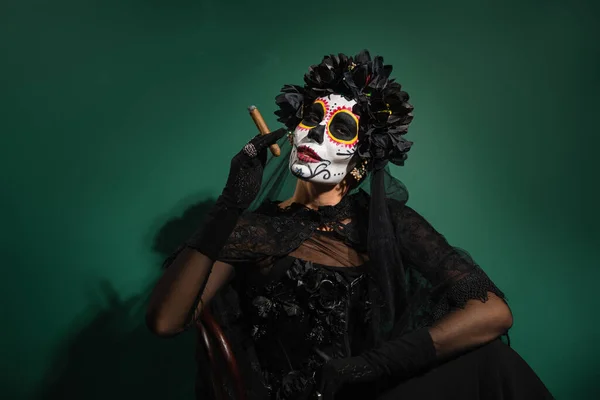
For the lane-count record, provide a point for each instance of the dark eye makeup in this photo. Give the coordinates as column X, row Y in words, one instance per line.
column 313, row 115
column 343, row 126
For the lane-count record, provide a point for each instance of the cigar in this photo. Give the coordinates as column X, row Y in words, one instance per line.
column 263, row 128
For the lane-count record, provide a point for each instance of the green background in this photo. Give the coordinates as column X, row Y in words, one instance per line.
column 117, row 116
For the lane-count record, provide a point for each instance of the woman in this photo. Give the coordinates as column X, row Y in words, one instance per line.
column 345, row 291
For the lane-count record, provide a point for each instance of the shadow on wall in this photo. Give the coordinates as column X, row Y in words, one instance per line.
column 112, row 355
column 177, row 230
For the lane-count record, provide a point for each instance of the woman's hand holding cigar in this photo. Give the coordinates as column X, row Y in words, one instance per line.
column 263, row 129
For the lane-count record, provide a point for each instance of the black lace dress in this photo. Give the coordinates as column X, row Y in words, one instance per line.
column 302, row 292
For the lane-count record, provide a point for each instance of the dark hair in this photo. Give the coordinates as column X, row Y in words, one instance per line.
column 381, row 103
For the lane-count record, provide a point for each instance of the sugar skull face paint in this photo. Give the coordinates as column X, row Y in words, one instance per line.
column 325, row 141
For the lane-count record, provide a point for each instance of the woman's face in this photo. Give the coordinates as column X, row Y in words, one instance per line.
column 325, row 141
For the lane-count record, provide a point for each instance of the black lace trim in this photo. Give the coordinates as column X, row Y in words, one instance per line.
column 474, row 286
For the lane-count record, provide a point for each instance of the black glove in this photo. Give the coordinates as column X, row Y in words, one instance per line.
column 403, row 357
column 242, row 187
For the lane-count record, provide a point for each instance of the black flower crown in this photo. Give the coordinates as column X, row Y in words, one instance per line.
column 381, row 103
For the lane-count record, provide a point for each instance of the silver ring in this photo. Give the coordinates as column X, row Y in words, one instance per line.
column 250, row 150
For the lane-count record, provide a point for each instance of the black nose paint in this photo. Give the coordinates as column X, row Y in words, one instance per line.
column 317, row 133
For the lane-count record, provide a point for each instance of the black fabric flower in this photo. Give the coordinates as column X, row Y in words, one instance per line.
column 381, row 103
column 295, row 384
column 325, row 294
column 263, row 306
column 290, row 102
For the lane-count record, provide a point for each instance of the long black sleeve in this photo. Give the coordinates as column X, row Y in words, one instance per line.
column 454, row 277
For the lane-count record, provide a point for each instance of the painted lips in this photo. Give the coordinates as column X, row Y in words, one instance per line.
column 307, row 154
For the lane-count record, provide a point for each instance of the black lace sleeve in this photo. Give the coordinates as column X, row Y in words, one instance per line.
column 247, row 242
column 454, row 277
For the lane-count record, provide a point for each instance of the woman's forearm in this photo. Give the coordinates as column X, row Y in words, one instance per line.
column 185, row 287
column 474, row 325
